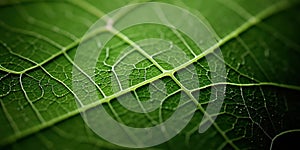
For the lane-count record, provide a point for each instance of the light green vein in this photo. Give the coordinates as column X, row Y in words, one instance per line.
column 277, row 7
column 64, row 49
column 236, row 70
column 9, row 118
column 87, row 7
column 73, row 113
column 234, row 6
column 59, row 53
column 292, row 87
column 188, row 92
column 249, row 115
column 253, row 57
column 282, row 133
column 36, row 111
column 31, row 33
column 136, row 46
column 199, row 106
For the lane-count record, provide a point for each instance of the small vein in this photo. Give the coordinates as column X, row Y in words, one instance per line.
column 35, row 22
column 136, row 46
column 277, row 7
column 282, row 133
column 133, row 137
column 64, row 49
column 265, row 105
column 144, row 110
column 249, row 115
column 87, row 7
column 2, row 77
column 85, row 74
column 116, row 63
column 39, row 116
column 254, row 58
column 31, row 33
column 199, row 106
column 203, row 19
column 164, row 18
column 11, row 121
column 236, row 70
column 61, row 52
column 76, row 97
column 286, row 86
column 48, row 144
column 246, row 15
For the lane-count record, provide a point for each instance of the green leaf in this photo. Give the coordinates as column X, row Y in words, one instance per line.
column 259, row 41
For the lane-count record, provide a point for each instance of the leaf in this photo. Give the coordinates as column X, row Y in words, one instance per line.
column 258, row 39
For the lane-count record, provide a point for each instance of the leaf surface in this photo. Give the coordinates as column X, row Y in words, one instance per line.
column 259, row 41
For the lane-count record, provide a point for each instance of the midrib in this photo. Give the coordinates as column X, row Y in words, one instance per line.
column 275, row 8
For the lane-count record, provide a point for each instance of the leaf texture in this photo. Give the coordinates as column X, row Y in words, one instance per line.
column 259, row 41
